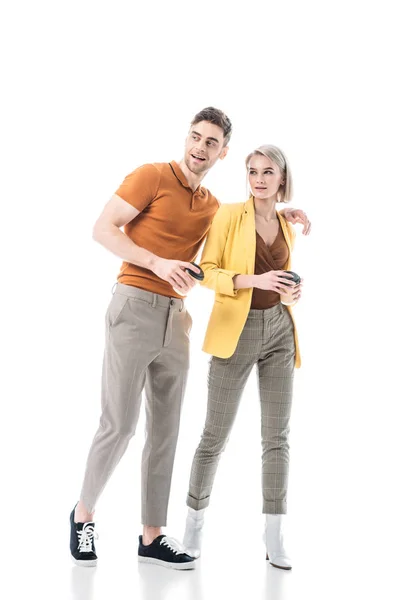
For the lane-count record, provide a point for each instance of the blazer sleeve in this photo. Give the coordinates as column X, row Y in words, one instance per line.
column 218, row 279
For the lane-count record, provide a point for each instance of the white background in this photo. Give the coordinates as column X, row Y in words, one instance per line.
column 92, row 90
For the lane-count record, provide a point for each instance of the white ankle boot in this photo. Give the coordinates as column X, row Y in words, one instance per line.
column 273, row 537
column 193, row 532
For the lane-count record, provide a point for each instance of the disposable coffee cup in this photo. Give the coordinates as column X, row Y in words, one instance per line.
column 198, row 276
column 287, row 299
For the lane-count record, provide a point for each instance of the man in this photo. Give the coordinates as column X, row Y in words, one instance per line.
column 166, row 214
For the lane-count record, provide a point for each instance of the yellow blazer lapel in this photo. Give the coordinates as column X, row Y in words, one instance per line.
column 249, row 234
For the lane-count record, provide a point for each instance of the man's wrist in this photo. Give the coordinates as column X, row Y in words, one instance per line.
column 151, row 261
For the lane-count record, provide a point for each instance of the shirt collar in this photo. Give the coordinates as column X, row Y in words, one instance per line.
column 179, row 174
column 181, row 177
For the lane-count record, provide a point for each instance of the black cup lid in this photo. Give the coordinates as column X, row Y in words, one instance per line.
column 198, row 276
column 294, row 276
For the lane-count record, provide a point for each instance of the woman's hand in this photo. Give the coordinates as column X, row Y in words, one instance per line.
column 296, row 292
column 275, row 281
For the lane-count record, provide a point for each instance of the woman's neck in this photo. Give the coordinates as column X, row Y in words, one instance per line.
column 265, row 209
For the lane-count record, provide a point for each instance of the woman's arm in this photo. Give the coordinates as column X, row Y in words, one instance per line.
column 274, row 281
column 215, row 278
column 241, row 282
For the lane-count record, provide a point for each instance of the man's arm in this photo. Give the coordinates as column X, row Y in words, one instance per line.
column 107, row 232
column 117, row 213
column 295, row 215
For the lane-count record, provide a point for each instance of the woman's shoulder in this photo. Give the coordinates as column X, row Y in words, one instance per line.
column 231, row 208
column 289, row 227
column 288, row 230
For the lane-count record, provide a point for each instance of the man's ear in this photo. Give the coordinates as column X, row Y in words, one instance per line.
column 224, row 152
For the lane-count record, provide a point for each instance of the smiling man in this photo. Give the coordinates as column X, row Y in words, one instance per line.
column 166, row 215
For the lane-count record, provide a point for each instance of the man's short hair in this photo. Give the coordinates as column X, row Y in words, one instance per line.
column 216, row 117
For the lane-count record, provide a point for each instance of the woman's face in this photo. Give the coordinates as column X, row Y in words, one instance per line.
column 265, row 177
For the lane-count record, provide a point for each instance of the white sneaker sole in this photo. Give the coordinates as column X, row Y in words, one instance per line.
column 286, row 568
column 280, row 567
column 84, row 563
column 168, row 565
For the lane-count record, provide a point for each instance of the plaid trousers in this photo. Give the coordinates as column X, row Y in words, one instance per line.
column 268, row 341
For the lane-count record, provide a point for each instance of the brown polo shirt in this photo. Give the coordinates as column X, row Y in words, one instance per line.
column 173, row 222
column 268, row 258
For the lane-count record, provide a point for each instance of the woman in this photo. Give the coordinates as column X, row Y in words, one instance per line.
column 247, row 249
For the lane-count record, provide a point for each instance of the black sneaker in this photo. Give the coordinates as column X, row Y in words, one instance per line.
column 82, row 543
column 167, row 552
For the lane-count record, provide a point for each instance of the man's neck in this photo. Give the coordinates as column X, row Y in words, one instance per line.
column 192, row 179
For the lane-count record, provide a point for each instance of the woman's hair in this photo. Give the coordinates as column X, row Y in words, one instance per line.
column 277, row 156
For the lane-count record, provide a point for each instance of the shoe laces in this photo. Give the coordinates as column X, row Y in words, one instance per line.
column 85, row 537
column 173, row 544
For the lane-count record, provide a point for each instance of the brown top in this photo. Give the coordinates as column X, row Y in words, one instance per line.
column 268, row 258
column 172, row 224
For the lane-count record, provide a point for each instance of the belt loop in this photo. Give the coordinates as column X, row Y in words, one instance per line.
column 182, row 305
column 113, row 288
column 154, row 301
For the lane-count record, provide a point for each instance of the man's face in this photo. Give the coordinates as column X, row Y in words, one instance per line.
column 203, row 147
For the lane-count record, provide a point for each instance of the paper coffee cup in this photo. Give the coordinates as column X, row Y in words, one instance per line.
column 287, row 299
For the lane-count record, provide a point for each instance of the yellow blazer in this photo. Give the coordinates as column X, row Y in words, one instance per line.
column 230, row 250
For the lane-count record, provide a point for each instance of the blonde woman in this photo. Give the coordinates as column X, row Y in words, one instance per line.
column 247, row 250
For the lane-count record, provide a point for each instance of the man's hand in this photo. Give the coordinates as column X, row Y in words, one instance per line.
column 295, row 215
column 174, row 272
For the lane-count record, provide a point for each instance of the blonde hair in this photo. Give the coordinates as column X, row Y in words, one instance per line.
column 278, row 157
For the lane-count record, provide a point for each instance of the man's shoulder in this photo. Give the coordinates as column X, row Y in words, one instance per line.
column 153, row 168
column 143, row 171
column 157, row 174
column 162, row 167
column 167, row 174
